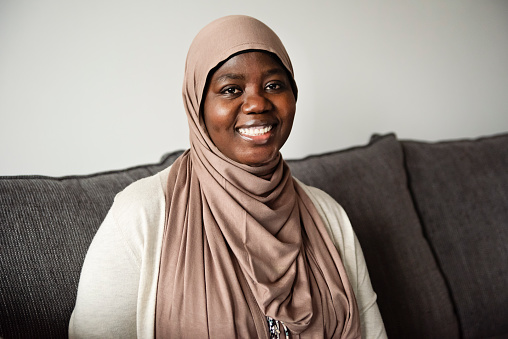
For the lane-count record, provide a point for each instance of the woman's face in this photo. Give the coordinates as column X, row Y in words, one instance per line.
column 249, row 108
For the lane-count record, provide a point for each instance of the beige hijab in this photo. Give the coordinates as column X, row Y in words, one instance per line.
column 241, row 243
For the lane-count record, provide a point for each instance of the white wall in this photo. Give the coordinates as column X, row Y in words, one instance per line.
column 94, row 85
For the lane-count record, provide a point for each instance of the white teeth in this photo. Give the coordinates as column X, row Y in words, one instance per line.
column 254, row 131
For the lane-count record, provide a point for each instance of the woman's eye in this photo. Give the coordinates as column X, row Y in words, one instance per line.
column 230, row 90
column 273, row 86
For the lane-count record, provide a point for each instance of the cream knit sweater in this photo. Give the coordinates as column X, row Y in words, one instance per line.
column 118, row 284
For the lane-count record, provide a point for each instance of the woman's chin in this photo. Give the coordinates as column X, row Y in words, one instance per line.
column 257, row 157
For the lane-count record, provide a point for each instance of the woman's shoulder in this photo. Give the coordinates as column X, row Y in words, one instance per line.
column 324, row 203
column 143, row 194
column 146, row 188
column 138, row 210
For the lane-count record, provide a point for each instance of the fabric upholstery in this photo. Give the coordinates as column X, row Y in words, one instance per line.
column 370, row 183
column 46, row 226
column 461, row 193
column 423, row 275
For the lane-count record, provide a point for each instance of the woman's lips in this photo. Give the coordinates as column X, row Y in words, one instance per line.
column 258, row 134
column 255, row 131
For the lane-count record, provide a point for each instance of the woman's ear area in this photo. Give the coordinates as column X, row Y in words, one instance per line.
column 206, row 87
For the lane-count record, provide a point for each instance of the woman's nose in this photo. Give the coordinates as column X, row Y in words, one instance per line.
column 255, row 103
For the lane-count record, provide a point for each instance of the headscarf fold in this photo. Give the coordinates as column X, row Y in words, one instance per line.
column 242, row 243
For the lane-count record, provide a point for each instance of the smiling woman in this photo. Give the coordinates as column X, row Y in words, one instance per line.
column 249, row 107
column 226, row 243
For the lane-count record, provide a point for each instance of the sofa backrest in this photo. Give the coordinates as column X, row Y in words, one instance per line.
column 46, row 226
column 431, row 219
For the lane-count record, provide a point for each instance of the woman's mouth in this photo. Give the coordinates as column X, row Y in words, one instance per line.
column 256, row 134
column 255, row 131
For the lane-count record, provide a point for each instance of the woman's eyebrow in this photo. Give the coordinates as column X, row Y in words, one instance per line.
column 230, row 76
column 235, row 76
column 275, row 71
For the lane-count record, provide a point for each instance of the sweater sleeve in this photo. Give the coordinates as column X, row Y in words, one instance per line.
column 118, row 284
column 344, row 238
column 108, row 287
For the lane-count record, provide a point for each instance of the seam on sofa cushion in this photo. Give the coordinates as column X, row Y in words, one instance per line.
column 426, row 237
column 460, row 188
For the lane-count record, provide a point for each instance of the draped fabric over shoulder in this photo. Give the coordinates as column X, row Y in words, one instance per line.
column 243, row 243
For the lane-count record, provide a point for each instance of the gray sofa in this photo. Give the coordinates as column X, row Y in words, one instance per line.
column 432, row 219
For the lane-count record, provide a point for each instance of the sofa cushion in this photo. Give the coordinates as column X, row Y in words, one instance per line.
column 461, row 193
column 46, row 226
column 370, row 183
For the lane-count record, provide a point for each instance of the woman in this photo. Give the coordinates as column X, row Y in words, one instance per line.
column 225, row 243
